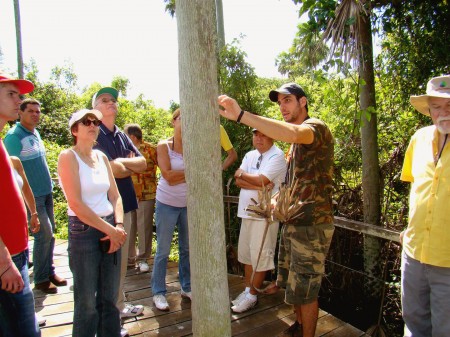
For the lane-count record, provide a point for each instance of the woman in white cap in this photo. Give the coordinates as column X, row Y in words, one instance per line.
column 95, row 228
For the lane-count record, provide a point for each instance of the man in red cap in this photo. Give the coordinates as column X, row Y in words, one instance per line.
column 426, row 250
column 17, row 315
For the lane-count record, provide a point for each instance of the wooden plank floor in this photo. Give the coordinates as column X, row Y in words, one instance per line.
column 267, row 319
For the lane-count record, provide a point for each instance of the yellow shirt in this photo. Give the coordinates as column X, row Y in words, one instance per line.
column 225, row 140
column 427, row 238
column 145, row 183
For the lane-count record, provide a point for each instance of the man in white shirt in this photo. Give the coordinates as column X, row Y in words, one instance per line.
column 265, row 166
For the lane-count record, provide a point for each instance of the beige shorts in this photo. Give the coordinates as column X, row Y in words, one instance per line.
column 250, row 238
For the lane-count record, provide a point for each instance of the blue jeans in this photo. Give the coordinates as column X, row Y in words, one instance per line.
column 17, row 317
column 167, row 217
column 95, row 281
column 44, row 242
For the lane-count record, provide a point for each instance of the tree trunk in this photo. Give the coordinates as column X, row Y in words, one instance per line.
column 18, row 39
column 201, row 147
column 370, row 164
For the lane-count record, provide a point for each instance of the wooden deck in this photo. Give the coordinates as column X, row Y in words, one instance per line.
column 267, row 319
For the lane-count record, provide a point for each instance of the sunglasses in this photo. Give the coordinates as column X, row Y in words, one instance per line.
column 88, row 122
column 258, row 164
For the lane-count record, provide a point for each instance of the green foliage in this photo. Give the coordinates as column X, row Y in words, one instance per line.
column 414, row 48
column 155, row 123
column 58, row 101
column 60, row 204
column 170, row 7
column 60, row 212
column 121, row 84
column 238, row 79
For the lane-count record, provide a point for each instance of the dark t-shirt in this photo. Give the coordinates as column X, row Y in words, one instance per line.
column 312, row 165
column 116, row 144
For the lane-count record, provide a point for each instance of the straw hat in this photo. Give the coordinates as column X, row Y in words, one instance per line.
column 436, row 87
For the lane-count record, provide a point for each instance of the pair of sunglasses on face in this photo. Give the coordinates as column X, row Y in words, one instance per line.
column 88, row 122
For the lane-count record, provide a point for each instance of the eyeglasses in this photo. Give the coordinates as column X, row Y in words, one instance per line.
column 88, row 122
column 177, row 118
column 258, row 163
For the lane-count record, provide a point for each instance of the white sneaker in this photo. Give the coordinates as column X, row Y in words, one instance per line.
column 123, row 332
column 161, row 302
column 239, row 298
column 245, row 304
column 143, row 267
column 131, row 310
column 185, row 294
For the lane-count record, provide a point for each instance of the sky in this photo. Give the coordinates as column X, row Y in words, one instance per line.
column 136, row 39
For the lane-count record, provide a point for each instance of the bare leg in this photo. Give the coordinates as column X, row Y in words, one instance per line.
column 258, row 279
column 307, row 314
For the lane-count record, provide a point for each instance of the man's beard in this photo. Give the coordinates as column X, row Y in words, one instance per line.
column 441, row 128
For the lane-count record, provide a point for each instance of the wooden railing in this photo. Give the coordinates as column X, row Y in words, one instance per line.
column 357, row 226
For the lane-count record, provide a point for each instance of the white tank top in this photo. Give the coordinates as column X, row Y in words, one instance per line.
column 94, row 184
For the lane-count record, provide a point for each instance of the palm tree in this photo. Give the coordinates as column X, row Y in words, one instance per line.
column 354, row 42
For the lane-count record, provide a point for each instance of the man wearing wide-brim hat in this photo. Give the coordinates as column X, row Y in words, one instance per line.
column 426, row 248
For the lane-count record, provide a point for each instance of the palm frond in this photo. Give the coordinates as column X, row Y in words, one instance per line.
column 287, row 206
column 344, row 30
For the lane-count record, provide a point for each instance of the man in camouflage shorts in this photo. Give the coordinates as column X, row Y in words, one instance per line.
column 305, row 241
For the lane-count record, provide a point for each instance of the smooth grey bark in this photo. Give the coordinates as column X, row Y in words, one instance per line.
column 202, row 156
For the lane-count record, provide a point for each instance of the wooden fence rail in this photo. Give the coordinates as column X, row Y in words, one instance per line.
column 358, row 226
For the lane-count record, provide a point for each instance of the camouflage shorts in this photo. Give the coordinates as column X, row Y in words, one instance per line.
column 301, row 261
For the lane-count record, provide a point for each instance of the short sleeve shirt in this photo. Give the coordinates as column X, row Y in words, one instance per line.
column 225, row 140
column 312, row 166
column 145, row 183
column 116, row 144
column 28, row 146
column 272, row 166
column 428, row 234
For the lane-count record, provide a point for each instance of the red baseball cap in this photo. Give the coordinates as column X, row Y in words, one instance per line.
column 24, row 86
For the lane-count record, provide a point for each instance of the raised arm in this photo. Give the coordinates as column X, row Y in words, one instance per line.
column 272, row 128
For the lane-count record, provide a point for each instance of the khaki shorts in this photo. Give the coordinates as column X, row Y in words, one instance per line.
column 301, row 261
column 250, row 238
